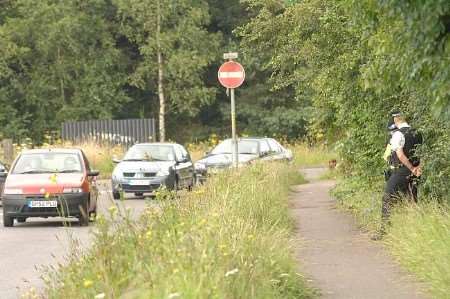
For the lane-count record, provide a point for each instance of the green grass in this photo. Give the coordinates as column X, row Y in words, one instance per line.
column 418, row 236
column 363, row 200
column 420, row 240
column 230, row 238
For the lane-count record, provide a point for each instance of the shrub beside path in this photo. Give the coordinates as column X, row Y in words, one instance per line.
column 336, row 257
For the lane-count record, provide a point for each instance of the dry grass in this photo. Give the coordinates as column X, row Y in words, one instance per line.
column 310, row 156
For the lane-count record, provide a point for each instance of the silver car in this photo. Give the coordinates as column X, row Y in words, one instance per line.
column 249, row 149
column 149, row 166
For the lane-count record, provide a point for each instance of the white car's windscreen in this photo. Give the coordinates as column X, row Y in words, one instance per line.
column 150, row 153
column 51, row 162
column 244, row 147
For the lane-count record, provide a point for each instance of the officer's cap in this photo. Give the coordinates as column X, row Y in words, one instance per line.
column 396, row 113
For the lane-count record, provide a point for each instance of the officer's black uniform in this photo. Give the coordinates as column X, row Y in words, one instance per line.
column 401, row 180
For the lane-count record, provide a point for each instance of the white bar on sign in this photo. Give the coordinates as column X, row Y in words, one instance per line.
column 231, row 75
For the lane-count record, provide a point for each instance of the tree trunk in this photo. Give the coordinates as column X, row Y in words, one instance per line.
column 61, row 79
column 162, row 104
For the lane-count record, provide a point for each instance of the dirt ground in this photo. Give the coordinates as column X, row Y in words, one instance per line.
column 336, row 257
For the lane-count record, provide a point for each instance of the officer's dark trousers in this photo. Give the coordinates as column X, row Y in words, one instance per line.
column 397, row 186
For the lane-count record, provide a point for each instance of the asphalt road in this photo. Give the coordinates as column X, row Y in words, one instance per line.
column 27, row 248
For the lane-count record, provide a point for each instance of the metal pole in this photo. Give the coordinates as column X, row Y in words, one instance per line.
column 233, row 131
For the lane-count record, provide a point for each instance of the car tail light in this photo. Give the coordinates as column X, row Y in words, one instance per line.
column 12, row 191
column 72, row 190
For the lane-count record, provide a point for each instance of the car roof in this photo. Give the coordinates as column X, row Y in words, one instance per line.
column 52, row 150
column 250, row 138
column 156, row 143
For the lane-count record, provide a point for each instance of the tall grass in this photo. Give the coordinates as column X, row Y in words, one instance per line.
column 307, row 156
column 101, row 156
column 419, row 234
column 420, row 239
column 227, row 239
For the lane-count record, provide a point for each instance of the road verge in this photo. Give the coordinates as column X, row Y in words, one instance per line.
column 230, row 238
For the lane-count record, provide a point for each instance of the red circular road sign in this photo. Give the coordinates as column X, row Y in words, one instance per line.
column 231, row 74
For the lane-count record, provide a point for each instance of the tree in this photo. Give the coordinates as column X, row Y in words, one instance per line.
column 175, row 50
column 61, row 63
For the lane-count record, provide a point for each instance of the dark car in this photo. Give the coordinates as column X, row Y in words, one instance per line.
column 148, row 166
column 249, row 149
column 50, row 183
column 3, row 174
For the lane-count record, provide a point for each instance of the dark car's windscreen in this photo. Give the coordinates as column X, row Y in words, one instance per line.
column 51, row 162
column 244, row 147
column 150, row 153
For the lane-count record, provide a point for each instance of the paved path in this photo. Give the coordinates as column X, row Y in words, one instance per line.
column 28, row 247
column 336, row 257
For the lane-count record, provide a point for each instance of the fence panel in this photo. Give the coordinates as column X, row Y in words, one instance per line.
column 123, row 131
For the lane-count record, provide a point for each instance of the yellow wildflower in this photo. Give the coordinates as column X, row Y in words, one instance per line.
column 88, row 283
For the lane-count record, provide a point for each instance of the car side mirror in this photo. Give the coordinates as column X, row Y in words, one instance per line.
column 93, row 173
column 207, row 153
column 184, row 160
column 117, row 161
column 263, row 154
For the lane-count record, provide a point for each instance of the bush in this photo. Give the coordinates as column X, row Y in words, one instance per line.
column 228, row 239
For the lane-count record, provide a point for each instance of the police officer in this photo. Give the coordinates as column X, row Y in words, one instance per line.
column 404, row 167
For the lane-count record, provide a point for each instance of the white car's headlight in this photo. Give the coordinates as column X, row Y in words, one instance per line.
column 72, row 190
column 162, row 172
column 12, row 191
column 199, row 166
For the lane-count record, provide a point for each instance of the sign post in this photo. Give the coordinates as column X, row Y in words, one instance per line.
column 231, row 75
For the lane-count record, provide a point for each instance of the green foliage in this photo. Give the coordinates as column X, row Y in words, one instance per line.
column 60, row 64
column 187, row 48
column 227, row 239
column 349, row 63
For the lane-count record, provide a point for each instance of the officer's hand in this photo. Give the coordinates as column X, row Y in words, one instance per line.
column 417, row 171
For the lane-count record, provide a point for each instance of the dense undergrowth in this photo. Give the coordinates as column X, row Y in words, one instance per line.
column 418, row 236
column 227, row 239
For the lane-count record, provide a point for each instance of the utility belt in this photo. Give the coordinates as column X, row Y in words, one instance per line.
column 393, row 169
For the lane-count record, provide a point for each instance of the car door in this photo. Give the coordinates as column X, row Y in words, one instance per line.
column 93, row 188
column 276, row 149
column 265, row 150
column 188, row 167
column 181, row 166
column 3, row 174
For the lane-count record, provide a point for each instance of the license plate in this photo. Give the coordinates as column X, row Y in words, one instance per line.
column 139, row 182
column 43, row 204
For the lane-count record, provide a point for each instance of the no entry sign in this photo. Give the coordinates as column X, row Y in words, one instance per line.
column 231, row 74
